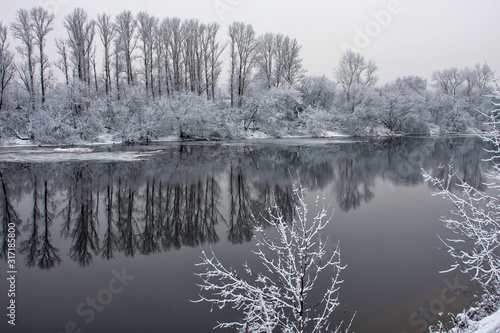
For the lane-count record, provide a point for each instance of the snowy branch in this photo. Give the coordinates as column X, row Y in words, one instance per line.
column 293, row 259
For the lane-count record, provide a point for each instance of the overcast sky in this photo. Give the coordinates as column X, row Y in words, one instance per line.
column 405, row 37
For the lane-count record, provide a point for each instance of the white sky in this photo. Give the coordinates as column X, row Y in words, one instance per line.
column 417, row 38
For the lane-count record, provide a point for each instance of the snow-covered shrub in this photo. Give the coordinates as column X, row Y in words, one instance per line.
column 280, row 296
column 318, row 92
column 199, row 119
column 415, row 125
column 66, row 116
column 404, row 106
column 273, row 111
column 318, row 122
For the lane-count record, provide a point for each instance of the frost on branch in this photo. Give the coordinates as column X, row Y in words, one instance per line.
column 476, row 223
column 294, row 258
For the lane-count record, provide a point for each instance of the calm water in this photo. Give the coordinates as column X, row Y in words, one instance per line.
column 109, row 237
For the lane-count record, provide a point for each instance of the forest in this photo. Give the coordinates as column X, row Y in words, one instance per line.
column 138, row 78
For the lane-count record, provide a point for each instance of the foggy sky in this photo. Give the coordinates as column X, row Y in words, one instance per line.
column 403, row 37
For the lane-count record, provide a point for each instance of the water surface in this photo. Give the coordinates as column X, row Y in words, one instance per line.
column 86, row 216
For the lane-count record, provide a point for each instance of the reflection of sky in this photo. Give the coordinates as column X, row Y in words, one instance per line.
column 391, row 249
column 388, row 242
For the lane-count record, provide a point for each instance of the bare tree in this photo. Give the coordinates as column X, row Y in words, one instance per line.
column 118, row 63
column 354, row 74
column 80, row 40
column 465, row 82
column 211, row 51
column 7, row 68
column 107, row 32
column 62, row 63
column 173, row 55
column 449, row 80
column 484, row 76
column 42, row 25
column 242, row 46
column 23, row 31
column 159, row 49
column 280, row 298
column 291, row 62
column 278, row 60
column 146, row 28
column 265, row 58
column 191, row 32
column 126, row 26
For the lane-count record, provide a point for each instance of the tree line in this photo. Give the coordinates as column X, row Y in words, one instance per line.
column 145, row 63
column 174, row 54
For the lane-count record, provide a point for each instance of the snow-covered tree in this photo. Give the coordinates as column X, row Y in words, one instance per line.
column 476, row 222
column 63, row 63
column 404, row 106
column 242, row 55
column 212, row 51
column 459, row 94
column 23, row 31
column 7, row 68
column 318, row 92
column 356, row 76
column 278, row 60
column 81, row 32
column 126, row 26
column 42, row 25
column 107, row 32
column 294, row 257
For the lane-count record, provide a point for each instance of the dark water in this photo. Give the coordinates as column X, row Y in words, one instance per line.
column 109, row 238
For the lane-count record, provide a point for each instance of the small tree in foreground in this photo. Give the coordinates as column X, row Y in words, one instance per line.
column 476, row 223
column 280, row 297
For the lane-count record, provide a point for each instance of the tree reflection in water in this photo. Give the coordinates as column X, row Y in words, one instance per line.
column 180, row 197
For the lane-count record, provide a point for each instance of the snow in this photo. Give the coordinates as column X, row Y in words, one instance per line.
column 74, row 150
column 50, row 154
column 434, row 130
column 256, row 135
column 17, row 142
column 490, row 324
column 171, row 138
column 331, row 134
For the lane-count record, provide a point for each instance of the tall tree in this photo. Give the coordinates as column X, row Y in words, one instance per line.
column 278, row 60
column 42, row 25
column 126, row 26
column 291, row 62
column 449, row 80
column 146, row 28
column 7, row 67
column 23, row 31
column 81, row 33
column 159, row 49
column 211, row 50
column 173, row 41
column 63, row 63
column 242, row 47
column 107, row 32
column 265, row 58
column 355, row 74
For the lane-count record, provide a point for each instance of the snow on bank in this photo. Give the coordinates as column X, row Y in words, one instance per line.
column 74, row 150
column 330, row 134
column 490, row 324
